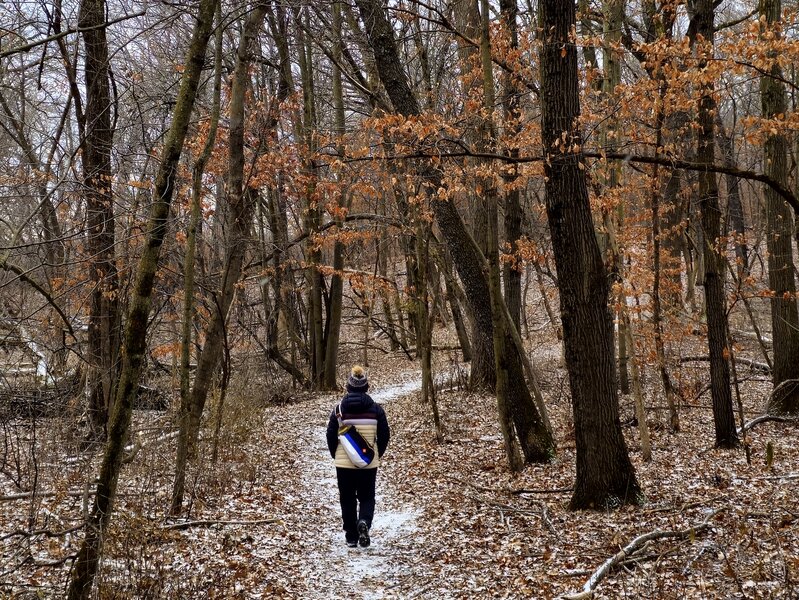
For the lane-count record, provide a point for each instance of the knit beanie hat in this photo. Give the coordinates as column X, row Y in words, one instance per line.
column 357, row 381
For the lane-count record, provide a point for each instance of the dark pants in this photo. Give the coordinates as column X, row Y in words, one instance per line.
column 356, row 489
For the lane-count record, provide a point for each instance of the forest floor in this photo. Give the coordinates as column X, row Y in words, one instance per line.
column 451, row 521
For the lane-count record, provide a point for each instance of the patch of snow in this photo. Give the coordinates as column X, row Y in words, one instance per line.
column 396, row 391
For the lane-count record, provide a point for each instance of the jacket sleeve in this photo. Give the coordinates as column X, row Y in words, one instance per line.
column 332, row 434
column 383, row 432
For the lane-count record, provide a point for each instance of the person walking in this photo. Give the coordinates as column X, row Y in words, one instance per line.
column 360, row 419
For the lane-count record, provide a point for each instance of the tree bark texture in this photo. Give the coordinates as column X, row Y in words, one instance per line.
column 332, row 331
column 701, row 31
column 133, row 351
column 657, row 306
column 103, row 334
column 511, row 92
column 780, row 226
column 605, row 475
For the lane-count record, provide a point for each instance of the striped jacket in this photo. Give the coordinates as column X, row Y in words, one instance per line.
column 368, row 417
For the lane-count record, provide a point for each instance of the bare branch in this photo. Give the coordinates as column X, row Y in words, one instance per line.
column 209, row 522
column 631, row 548
column 58, row 36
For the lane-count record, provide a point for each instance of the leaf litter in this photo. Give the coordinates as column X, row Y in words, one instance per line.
column 451, row 521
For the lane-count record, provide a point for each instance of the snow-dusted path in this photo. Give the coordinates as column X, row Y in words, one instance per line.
column 330, row 568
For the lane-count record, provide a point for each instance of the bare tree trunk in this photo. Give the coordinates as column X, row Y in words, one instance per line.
column 467, row 15
column 782, row 282
column 701, row 32
column 511, row 92
column 313, row 219
column 605, row 475
column 179, row 484
column 613, row 218
column 104, row 312
column 424, row 338
column 490, row 197
column 336, row 295
column 86, row 563
column 454, row 299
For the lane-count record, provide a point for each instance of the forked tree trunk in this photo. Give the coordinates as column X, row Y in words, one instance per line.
column 135, row 341
column 605, row 475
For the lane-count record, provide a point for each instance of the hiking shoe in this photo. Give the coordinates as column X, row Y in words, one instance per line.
column 352, row 543
column 363, row 534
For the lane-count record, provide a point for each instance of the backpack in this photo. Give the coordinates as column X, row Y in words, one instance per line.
column 359, row 451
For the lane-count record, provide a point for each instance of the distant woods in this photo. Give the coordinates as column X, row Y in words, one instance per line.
column 305, row 183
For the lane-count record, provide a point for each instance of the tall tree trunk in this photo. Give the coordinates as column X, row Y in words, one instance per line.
column 238, row 214
column 181, row 457
column 467, row 17
column 511, row 92
column 701, row 31
column 657, row 307
column 490, row 196
column 613, row 219
column 103, row 335
column 86, row 563
column 536, row 439
column 313, row 220
column 605, row 475
column 784, row 315
column 336, row 295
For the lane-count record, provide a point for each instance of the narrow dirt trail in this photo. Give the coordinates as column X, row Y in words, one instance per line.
column 330, row 568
